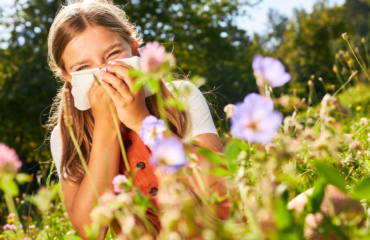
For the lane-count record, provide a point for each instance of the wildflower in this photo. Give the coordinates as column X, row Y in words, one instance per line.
column 271, row 69
column 128, row 224
column 335, row 68
column 10, row 227
column 255, row 119
column 358, row 108
column 344, row 36
column 27, row 238
column 310, row 83
column 118, row 181
column 363, row 121
column 168, row 153
column 153, row 57
column 152, row 130
column 31, row 226
column 9, row 160
column 355, row 145
column 229, row 110
column 102, row 215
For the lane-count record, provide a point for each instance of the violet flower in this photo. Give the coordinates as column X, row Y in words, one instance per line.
column 152, row 130
column 9, row 160
column 271, row 69
column 169, row 155
column 153, row 56
column 117, row 182
column 255, row 119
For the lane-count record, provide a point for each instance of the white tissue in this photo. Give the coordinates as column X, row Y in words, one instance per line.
column 83, row 80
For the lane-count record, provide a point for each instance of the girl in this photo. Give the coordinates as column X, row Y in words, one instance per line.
column 85, row 35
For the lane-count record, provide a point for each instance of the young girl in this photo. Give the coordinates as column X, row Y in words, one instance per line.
column 86, row 35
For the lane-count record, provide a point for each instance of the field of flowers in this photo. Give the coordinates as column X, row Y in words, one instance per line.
column 268, row 160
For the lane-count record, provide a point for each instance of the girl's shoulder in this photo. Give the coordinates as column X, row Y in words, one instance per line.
column 183, row 89
column 56, row 147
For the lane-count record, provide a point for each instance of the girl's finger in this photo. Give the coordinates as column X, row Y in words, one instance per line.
column 121, row 69
column 117, row 83
column 117, row 98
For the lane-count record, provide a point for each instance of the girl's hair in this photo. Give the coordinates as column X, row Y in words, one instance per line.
column 71, row 21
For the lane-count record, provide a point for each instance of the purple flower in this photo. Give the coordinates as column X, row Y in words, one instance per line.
column 10, row 227
column 255, row 119
column 271, row 69
column 169, row 155
column 152, row 130
column 153, row 56
column 9, row 160
column 117, row 182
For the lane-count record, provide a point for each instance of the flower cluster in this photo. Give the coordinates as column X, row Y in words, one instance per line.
column 168, row 153
column 109, row 203
column 9, row 160
column 118, row 183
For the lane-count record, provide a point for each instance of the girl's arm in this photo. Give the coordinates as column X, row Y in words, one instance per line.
column 79, row 200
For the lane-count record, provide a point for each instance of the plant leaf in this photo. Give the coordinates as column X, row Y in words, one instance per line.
column 362, row 191
column 331, row 175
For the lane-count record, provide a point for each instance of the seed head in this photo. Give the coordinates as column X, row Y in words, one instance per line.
column 344, row 36
column 67, row 108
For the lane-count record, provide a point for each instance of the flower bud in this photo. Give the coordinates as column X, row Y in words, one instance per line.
column 310, row 83
column 335, row 68
column 363, row 40
column 67, row 108
column 344, row 36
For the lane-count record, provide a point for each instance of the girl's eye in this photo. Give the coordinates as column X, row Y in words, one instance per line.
column 113, row 53
column 82, row 68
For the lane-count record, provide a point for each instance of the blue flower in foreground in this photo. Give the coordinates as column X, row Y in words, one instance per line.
column 152, row 130
column 255, row 119
column 271, row 69
column 169, row 155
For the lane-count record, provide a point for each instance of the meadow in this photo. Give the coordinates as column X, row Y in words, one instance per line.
column 269, row 158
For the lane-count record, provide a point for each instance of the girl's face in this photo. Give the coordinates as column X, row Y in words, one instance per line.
column 93, row 49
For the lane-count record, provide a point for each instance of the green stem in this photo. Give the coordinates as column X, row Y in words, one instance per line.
column 82, row 160
column 161, row 109
column 116, row 125
column 358, row 60
column 367, row 55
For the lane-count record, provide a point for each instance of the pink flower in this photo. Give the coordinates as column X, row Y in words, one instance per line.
column 31, row 226
column 10, row 227
column 153, row 56
column 9, row 160
column 118, row 182
column 26, row 238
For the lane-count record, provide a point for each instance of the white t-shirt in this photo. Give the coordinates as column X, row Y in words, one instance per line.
column 199, row 121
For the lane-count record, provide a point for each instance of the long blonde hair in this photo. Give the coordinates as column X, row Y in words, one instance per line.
column 71, row 20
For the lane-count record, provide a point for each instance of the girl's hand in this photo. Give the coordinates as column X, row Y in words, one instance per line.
column 100, row 108
column 131, row 107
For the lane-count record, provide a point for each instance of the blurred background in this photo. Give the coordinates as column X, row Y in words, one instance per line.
column 214, row 39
